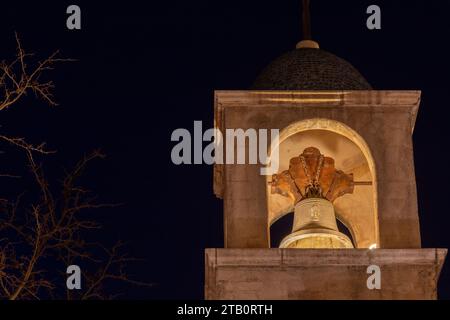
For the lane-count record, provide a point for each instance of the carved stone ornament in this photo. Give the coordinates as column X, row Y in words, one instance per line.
column 312, row 175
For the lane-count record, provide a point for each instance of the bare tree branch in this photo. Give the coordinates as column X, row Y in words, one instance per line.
column 47, row 226
column 17, row 78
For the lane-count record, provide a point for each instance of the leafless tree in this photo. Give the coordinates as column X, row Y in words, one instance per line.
column 45, row 229
column 17, row 78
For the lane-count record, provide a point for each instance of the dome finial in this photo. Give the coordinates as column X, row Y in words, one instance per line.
column 306, row 20
column 309, row 68
column 307, row 42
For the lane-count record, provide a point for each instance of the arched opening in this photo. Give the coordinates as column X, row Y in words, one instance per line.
column 357, row 213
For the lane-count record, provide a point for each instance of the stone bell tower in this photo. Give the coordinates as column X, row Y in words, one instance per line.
column 345, row 155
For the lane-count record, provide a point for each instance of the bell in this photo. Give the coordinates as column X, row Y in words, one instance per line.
column 315, row 227
column 313, row 183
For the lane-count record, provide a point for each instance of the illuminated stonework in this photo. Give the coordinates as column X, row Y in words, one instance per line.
column 358, row 211
column 320, row 102
column 367, row 133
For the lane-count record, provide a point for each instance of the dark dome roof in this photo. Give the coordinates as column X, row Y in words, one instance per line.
column 310, row 69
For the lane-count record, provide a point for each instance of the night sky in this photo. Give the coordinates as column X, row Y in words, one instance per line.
column 146, row 68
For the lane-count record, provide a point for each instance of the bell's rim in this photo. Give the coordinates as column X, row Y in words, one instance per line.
column 310, row 233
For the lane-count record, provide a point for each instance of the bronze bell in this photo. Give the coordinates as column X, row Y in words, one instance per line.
column 315, row 227
column 313, row 183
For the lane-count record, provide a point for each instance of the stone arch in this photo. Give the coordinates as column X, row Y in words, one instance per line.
column 365, row 232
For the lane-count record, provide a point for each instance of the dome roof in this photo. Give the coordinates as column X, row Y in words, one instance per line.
column 310, row 69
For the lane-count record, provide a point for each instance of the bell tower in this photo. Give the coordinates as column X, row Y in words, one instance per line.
column 344, row 154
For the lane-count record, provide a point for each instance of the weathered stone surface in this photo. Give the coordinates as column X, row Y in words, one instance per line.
column 321, row 274
column 384, row 119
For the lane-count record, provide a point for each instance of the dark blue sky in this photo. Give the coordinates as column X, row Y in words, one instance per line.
column 148, row 67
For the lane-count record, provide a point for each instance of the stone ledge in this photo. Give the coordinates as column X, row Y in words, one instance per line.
column 370, row 98
column 321, row 274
